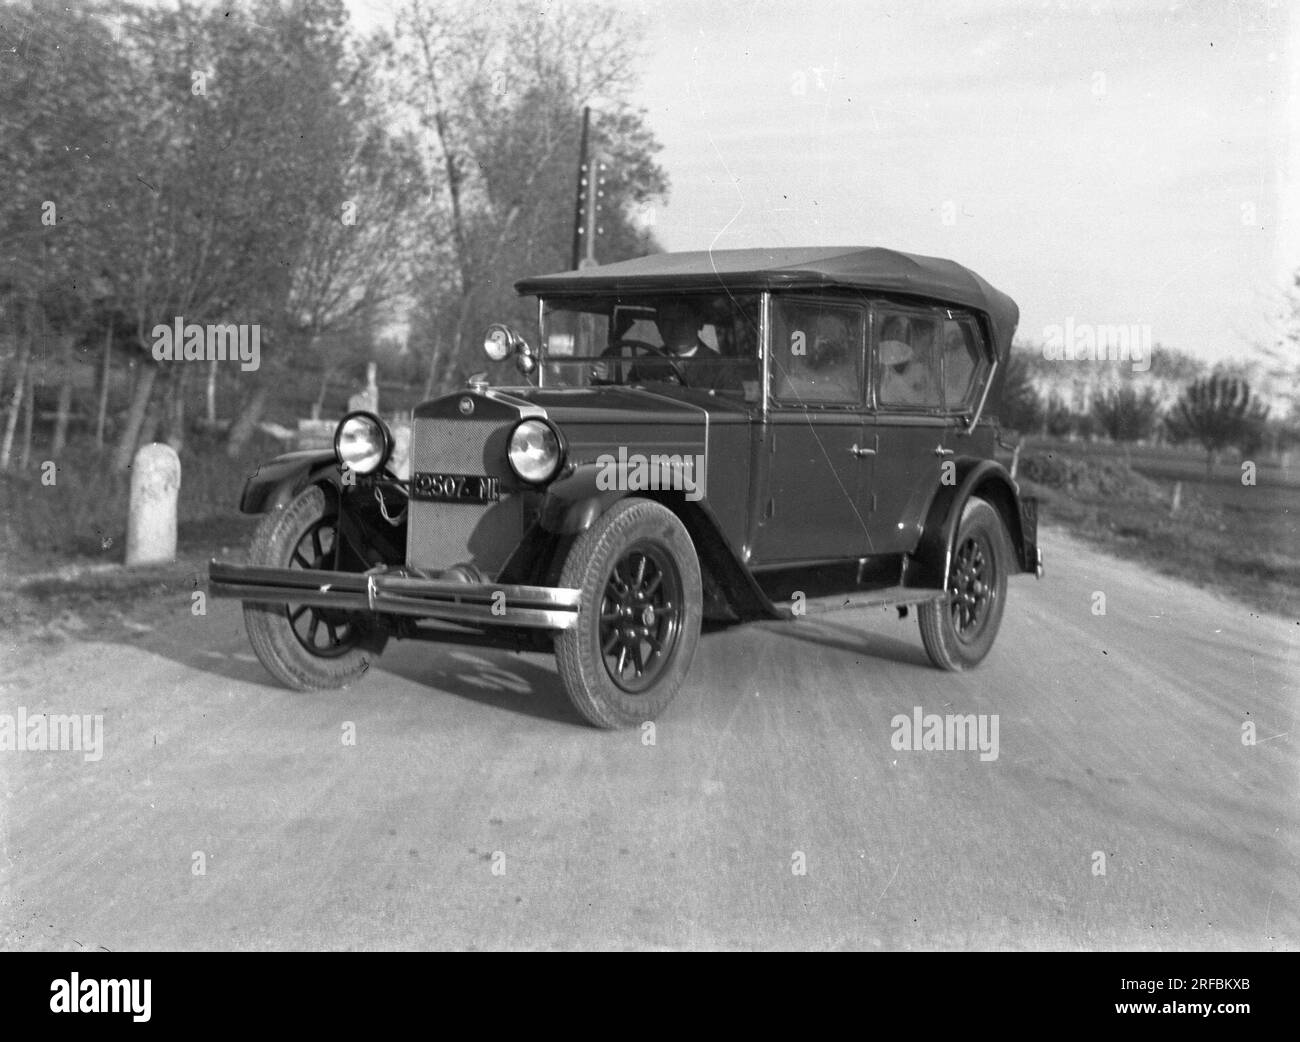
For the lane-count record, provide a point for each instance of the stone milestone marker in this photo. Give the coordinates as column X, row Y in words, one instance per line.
column 368, row 397
column 151, row 520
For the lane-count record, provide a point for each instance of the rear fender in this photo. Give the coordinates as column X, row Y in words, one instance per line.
column 989, row 480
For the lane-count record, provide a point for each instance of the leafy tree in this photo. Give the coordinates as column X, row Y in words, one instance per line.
column 259, row 163
column 1058, row 420
column 1125, row 414
column 356, row 245
column 1083, row 426
column 1176, row 366
column 1022, row 409
column 1216, row 411
column 234, row 138
column 61, row 100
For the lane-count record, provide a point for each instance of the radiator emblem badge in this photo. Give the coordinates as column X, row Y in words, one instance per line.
column 466, row 406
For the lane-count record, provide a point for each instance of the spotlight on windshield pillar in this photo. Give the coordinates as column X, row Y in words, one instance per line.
column 497, row 343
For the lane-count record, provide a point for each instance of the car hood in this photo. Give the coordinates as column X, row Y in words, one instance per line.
column 632, row 405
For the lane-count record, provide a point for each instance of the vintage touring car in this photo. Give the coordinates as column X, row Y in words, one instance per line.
column 738, row 435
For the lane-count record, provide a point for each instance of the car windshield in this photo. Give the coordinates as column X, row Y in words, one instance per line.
column 704, row 341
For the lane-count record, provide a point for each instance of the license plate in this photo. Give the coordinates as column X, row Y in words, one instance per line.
column 455, row 488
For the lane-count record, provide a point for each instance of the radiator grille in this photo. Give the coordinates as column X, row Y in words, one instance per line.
column 455, row 446
column 440, row 535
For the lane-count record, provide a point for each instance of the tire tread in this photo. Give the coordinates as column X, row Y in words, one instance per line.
column 579, row 669
column 269, row 631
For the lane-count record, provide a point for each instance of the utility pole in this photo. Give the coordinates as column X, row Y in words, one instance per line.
column 591, row 181
column 582, row 185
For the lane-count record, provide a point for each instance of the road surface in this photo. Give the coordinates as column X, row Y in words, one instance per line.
column 769, row 808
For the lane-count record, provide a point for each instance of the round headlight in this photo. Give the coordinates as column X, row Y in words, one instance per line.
column 362, row 442
column 534, row 451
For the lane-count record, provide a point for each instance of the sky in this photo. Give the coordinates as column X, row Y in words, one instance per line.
column 1131, row 163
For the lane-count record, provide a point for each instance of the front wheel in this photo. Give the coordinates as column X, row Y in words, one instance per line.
column 639, row 616
column 304, row 647
column 959, row 631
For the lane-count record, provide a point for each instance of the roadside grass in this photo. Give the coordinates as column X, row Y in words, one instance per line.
column 62, row 545
column 1242, row 540
column 81, row 517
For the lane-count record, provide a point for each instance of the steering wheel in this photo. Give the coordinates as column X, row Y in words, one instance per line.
column 615, row 351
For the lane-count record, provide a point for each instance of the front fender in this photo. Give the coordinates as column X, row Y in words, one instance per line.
column 277, row 481
column 573, row 503
column 988, row 479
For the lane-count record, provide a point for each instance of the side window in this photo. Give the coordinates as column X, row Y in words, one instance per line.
column 816, row 352
column 908, row 360
column 962, row 359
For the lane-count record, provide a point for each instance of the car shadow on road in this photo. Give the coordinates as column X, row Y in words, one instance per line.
column 523, row 684
column 846, row 637
column 218, row 647
column 497, row 679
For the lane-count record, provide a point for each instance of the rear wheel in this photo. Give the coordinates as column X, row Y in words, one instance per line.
column 306, row 648
column 959, row 631
column 639, row 616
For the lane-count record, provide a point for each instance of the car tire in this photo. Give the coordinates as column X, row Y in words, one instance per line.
column 959, row 631
column 304, row 648
column 622, row 664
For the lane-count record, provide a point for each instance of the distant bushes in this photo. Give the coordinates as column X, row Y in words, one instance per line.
column 1088, row 479
column 1111, row 482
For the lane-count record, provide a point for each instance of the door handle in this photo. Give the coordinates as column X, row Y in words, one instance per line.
column 939, row 450
column 861, row 452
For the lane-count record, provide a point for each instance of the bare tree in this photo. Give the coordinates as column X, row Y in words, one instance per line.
column 498, row 93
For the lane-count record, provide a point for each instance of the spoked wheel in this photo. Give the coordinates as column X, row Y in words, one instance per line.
column 972, row 587
column 639, row 616
column 322, row 632
column 958, row 632
column 306, row 647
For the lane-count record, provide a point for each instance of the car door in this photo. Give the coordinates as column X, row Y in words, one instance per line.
column 909, row 427
column 816, row 466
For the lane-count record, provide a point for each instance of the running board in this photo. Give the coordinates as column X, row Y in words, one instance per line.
column 890, row 597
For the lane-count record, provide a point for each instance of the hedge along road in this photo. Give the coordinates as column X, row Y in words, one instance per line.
column 772, row 805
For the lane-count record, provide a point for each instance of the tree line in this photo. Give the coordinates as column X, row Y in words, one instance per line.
column 264, row 164
column 1215, row 411
column 1213, row 408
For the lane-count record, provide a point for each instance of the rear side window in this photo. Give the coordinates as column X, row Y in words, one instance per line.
column 927, row 360
column 908, row 359
column 962, row 361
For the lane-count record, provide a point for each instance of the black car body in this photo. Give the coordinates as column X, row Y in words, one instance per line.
column 736, row 435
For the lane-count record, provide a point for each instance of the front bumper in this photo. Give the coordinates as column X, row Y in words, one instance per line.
column 469, row 604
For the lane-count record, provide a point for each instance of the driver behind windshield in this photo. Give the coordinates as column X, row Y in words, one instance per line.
column 697, row 363
column 679, row 325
